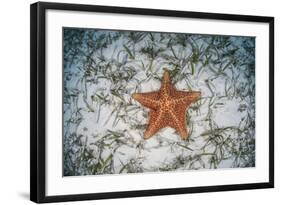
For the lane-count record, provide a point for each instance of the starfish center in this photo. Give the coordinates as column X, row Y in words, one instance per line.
column 167, row 104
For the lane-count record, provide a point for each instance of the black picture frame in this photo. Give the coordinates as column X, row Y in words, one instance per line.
column 38, row 101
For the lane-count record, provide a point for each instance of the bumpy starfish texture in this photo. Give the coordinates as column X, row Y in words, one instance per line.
column 168, row 107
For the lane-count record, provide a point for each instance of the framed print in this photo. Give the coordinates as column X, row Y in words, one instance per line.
column 129, row 102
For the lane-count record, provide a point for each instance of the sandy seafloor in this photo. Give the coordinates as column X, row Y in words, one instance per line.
column 104, row 126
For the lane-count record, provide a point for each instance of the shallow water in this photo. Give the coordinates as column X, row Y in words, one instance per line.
column 104, row 126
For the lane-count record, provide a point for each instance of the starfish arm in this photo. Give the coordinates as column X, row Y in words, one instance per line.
column 186, row 97
column 178, row 122
column 165, row 89
column 156, row 122
column 149, row 100
column 166, row 77
column 166, row 85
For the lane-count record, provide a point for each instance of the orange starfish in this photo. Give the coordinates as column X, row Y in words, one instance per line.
column 167, row 107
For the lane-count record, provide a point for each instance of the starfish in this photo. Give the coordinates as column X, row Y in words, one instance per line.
column 168, row 107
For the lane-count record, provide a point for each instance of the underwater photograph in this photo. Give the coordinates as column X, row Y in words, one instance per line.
column 144, row 102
